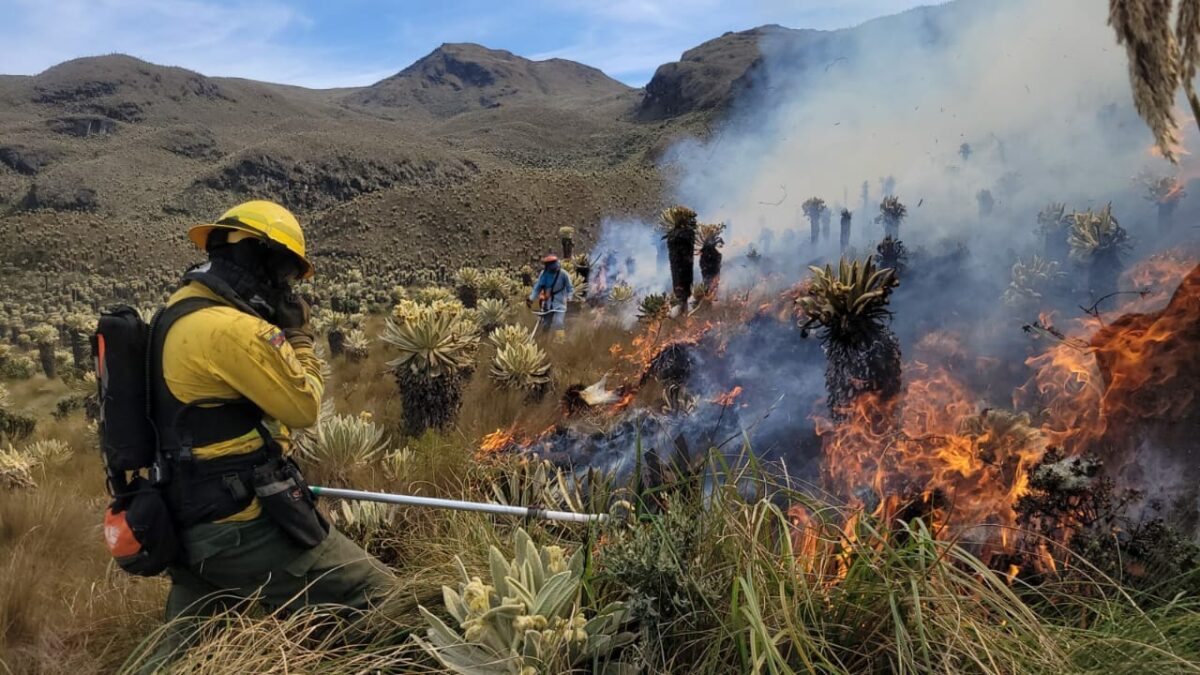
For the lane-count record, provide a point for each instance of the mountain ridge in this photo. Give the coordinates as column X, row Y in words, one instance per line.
column 116, row 155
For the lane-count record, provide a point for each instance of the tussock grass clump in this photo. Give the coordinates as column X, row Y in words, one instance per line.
column 49, row 452
column 16, row 468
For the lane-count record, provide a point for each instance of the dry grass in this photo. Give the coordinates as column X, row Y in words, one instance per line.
column 64, row 608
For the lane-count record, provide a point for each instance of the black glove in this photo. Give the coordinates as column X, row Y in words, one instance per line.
column 291, row 311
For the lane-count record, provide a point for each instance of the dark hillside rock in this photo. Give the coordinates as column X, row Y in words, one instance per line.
column 26, row 160
column 193, row 143
column 326, row 180
column 82, row 126
column 71, row 92
column 59, row 195
column 122, row 111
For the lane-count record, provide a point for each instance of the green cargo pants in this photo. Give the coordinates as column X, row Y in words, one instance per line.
column 224, row 563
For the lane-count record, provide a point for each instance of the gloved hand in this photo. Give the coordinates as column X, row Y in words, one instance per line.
column 291, row 311
column 299, row 337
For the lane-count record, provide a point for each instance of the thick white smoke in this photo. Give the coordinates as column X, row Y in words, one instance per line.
column 1026, row 101
column 1037, row 91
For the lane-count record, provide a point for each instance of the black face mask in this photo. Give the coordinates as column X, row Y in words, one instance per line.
column 247, row 267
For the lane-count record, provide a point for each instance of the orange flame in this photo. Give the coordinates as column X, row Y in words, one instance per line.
column 726, row 399
column 497, row 441
column 968, row 467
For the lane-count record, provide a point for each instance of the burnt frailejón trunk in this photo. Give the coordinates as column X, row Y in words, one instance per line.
column 583, row 267
column 468, row 295
column 80, row 351
column 1104, row 273
column 710, row 265
column 844, row 241
column 337, row 342
column 856, row 369
column 46, row 356
column 681, row 254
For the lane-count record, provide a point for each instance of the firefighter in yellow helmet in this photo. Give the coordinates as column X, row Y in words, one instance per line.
column 237, row 370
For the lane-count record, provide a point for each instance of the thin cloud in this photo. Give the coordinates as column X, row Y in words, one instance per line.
column 310, row 45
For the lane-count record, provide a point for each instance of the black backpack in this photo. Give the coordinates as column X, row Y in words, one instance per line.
column 137, row 524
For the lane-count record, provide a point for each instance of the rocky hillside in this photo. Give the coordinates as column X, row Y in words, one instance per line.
column 471, row 152
column 107, row 159
column 705, row 78
column 722, row 72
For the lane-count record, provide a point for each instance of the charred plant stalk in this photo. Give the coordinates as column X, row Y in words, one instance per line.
column 337, row 342
column 1097, row 241
column 710, row 254
column 468, row 295
column 1053, row 224
column 710, row 265
column 986, row 203
column 583, row 266
column 46, row 356
column 844, row 242
column 79, row 351
column 46, row 339
column 892, row 254
column 891, row 214
column 680, row 225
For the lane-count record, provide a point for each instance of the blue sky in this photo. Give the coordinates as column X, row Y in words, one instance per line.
column 357, row 42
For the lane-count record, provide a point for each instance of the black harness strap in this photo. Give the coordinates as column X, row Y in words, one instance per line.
column 201, row 490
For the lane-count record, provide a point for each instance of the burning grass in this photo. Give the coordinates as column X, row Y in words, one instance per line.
column 932, row 538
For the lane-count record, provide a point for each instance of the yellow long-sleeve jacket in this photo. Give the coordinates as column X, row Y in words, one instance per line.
column 222, row 352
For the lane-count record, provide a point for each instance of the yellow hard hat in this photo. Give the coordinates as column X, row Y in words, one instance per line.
column 260, row 218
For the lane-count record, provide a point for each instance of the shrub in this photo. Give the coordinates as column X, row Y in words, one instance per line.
column 658, row 565
column 492, row 313
column 15, row 365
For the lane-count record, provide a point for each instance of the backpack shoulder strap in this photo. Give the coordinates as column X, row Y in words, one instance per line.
column 163, row 319
column 159, row 328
